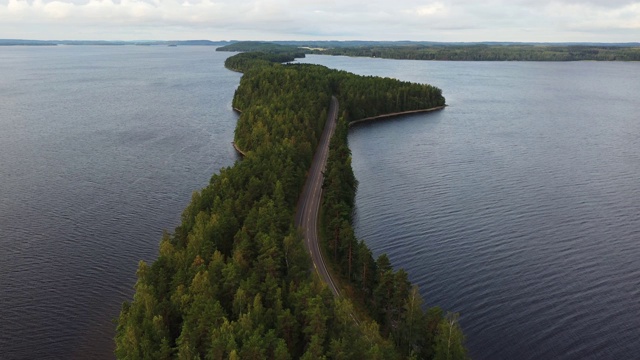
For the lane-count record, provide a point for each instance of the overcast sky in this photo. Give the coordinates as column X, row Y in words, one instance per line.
column 445, row 20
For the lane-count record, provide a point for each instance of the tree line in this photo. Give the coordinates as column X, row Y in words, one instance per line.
column 232, row 281
column 388, row 296
column 452, row 52
column 493, row 52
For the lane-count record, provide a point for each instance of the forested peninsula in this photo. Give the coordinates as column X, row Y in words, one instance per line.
column 453, row 51
column 233, row 281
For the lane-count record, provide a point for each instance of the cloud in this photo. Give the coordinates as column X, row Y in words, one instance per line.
column 594, row 19
column 446, row 20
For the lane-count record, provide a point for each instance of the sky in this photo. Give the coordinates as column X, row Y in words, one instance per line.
column 419, row 20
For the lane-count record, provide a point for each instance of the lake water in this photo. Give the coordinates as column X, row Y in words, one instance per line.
column 517, row 206
column 100, row 150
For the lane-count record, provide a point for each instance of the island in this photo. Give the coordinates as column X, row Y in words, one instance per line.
column 238, row 278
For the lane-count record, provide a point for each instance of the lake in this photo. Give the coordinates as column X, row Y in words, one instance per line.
column 517, row 206
column 100, row 150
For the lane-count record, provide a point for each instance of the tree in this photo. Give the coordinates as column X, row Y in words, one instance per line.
column 233, row 280
column 449, row 342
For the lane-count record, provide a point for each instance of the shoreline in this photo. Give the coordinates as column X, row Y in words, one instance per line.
column 242, row 153
column 374, row 118
column 369, row 119
column 235, row 146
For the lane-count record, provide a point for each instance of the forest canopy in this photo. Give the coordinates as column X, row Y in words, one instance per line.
column 233, row 280
column 453, row 51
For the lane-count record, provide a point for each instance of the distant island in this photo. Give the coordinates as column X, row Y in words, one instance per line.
column 452, row 51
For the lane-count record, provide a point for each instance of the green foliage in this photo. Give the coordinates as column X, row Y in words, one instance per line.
column 390, row 299
column 260, row 46
column 482, row 52
column 245, row 61
column 449, row 340
column 453, row 52
column 232, row 281
column 363, row 97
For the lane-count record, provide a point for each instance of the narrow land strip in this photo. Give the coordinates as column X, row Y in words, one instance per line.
column 310, row 198
column 309, row 202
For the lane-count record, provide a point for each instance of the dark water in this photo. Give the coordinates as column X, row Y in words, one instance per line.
column 518, row 205
column 100, row 149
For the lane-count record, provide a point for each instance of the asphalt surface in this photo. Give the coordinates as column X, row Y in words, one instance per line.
column 309, row 202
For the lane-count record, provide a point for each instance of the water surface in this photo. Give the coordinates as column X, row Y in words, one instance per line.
column 100, row 150
column 517, row 206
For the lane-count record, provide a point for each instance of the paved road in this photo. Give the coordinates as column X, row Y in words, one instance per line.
column 309, row 202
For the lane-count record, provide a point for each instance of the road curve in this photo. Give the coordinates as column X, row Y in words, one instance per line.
column 309, row 201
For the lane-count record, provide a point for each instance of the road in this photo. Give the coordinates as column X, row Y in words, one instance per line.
column 309, row 202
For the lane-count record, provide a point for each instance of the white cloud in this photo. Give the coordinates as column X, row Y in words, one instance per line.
column 585, row 17
column 446, row 20
column 431, row 9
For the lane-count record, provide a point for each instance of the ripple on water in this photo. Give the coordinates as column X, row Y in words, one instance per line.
column 90, row 174
column 522, row 213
